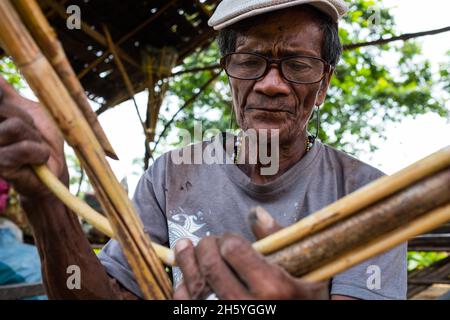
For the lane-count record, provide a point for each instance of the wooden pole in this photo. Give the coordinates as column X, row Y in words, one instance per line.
column 420, row 225
column 372, row 222
column 76, row 205
column 187, row 103
column 47, row 86
column 47, row 41
column 377, row 246
column 157, row 66
column 127, row 81
column 119, row 64
column 355, row 201
column 123, row 73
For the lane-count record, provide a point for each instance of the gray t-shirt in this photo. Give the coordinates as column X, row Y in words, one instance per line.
column 196, row 200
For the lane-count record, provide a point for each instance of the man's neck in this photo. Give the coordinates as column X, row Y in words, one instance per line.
column 289, row 154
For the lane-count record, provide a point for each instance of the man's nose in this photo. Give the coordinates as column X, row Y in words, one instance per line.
column 272, row 84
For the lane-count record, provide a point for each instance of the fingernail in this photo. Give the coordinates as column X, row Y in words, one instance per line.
column 181, row 245
column 264, row 217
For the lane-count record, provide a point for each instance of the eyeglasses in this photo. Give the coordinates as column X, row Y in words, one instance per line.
column 297, row 69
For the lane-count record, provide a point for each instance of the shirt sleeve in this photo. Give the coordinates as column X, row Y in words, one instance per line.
column 383, row 277
column 149, row 201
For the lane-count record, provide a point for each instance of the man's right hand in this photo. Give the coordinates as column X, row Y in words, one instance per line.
column 28, row 136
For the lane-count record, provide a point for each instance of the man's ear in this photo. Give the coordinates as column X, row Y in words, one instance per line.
column 324, row 88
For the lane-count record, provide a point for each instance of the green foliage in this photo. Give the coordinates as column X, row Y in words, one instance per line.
column 212, row 107
column 419, row 260
column 372, row 85
column 9, row 71
column 444, row 74
column 73, row 165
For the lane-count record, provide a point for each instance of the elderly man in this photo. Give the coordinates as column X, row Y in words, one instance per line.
column 280, row 57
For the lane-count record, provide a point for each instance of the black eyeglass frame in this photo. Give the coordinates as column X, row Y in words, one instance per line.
column 269, row 62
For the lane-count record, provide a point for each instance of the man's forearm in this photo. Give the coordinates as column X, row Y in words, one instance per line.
column 61, row 244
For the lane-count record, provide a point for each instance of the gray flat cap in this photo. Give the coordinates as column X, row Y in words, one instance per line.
column 229, row 12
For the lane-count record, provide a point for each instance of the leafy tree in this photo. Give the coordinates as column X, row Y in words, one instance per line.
column 420, row 260
column 212, row 107
column 444, row 74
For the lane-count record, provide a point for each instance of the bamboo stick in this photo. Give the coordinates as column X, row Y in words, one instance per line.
column 83, row 210
column 355, row 201
column 372, row 222
column 47, row 86
column 47, row 40
column 127, row 81
column 167, row 255
column 403, row 178
column 421, row 225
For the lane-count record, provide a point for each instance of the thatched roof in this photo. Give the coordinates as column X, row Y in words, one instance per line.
column 134, row 25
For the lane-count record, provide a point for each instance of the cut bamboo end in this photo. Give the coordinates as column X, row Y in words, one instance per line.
column 84, row 211
column 355, row 201
column 419, row 226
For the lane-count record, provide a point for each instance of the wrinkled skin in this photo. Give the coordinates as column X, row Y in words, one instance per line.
column 272, row 102
column 27, row 137
column 227, row 265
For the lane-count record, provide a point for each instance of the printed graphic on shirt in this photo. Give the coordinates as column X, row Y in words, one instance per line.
column 184, row 225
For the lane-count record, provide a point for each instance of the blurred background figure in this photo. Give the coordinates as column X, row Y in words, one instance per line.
column 20, row 268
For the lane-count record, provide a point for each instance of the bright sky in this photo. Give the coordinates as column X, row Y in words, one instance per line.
column 407, row 142
column 414, row 139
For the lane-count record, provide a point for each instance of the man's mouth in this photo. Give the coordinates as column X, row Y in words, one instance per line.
column 273, row 110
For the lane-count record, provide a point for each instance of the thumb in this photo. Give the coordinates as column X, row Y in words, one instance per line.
column 262, row 223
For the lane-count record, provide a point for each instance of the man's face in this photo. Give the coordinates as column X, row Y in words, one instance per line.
column 272, row 102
